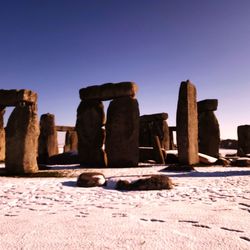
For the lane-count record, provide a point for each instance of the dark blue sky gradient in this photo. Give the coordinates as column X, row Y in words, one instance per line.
column 56, row 47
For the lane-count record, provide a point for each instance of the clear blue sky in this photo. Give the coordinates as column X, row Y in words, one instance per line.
column 56, row 47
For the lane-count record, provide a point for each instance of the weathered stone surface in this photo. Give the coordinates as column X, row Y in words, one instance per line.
column 172, row 145
column 108, row 91
column 65, row 128
column 229, row 144
column 209, row 134
column 147, row 154
column 243, row 140
column 223, row 162
column 91, row 179
column 207, row 159
column 207, row 105
column 2, row 136
column 154, row 117
column 122, row 127
column 90, row 132
column 241, row 162
column 187, row 124
column 22, row 140
column 157, row 127
column 159, row 157
column 154, row 182
column 70, row 157
column 13, row 97
column 48, row 144
column 71, row 141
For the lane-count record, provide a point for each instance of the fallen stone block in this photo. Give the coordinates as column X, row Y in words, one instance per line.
column 206, row 159
column 241, row 162
column 154, row 182
column 91, row 179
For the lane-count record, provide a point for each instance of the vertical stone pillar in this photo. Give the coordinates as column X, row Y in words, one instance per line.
column 209, row 131
column 122, row 128
column 48, row 144
column 91, row 134
column 243, row 140
column 187, row 124
column 154, row 125
column 22, row 140
column 2, row 135
column 172, row 146
column 71, row 141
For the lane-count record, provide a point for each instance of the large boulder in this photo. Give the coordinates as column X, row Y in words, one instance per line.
column 48, row 144
column 91, row 179
column 91, row 134
column 122, row 128
column 187, row 124
column 22, row 133
column 108, row 91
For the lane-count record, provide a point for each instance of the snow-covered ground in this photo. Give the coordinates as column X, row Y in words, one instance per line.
column 208, row 209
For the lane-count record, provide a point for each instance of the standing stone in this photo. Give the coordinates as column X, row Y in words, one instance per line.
column 91, row 134
column 2, row 136
column 243, row 140
column 187, row 124
column 22, row 140
column 122, row 141
column 154, row 125
column 209, row 131
column 48, row 144
column 71, row 141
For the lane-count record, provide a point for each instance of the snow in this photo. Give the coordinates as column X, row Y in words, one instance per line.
column 207, row 209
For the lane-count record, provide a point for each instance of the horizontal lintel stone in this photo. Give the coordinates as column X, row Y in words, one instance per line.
column 154, row 117
column 108, row 91
column 65, row 128
column 207, row 105
column 13, row 97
